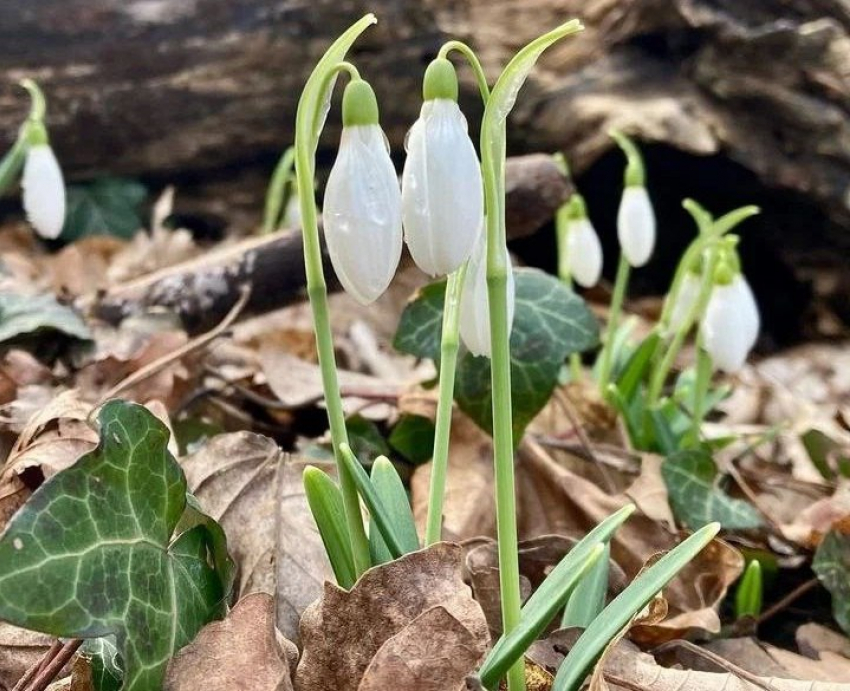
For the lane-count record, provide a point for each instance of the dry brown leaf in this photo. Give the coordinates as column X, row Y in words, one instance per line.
column 241, row 652
column 233, row 477
column 17, row 369
column 345, row 630
column 814, row 639
column 811, row 524
column 649, row 492
column 81, row 268
column 19, row 650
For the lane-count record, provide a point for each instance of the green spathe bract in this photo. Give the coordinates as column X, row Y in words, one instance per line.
column 98, row 550
column 312, row 111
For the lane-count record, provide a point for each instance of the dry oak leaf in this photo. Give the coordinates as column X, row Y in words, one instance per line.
column 398, row 622
column 19, row 650
column 241, row 652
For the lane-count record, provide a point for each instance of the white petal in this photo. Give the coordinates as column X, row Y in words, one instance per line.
column 362, row 214
column 474, row 303
column 726, row 328
column 749, row 309
column 44, row 191
column 441, row 189
column 584, row 252
column 688, row 295
column 636, row 225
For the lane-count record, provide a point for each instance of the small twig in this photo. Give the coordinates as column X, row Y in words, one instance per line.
column 196, row 343
column 624, row 683
column 722, row 662
column 627, row 465
column 777, row 607
column 39, row 676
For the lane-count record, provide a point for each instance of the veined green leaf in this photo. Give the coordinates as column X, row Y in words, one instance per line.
column 21, row 315
column 832, row 566
column 325, row 500
column 588, row 599
column 393, row 496
column 413, row 438
column 94, row 551
column 107, row 206
column 381, row 517
column 550, row 597
column 626, row 605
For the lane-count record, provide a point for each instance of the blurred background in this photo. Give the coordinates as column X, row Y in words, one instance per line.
column 733, row 103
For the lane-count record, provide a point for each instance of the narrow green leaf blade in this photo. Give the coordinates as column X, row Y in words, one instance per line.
column 588, row 599
column 391, row 492
column 748, row 597
column 637, row 365
column 626, row 605
column 325, row 501
column 11, row 165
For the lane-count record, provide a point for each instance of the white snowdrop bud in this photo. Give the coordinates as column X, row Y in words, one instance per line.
column 43, row 191
column 584, row 252
column 362, row 209
column 474, row 303
column 685, row 300
column 730, row 326
column 636, row 225
column 441, row 189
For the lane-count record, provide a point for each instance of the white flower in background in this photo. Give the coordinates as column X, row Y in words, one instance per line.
column 636, row 225
column 474, row 303
column 686, row 298
column 731, row 323
column 441, row 189
column 43, row 191
column 362, row 209
column 584, row 252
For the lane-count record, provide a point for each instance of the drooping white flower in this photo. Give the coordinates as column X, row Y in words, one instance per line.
column 43, row 191
column 441, row 189
column 584, row 252
column 731, row 323
column 362, row 209
column 474, row 302
column 636, row 225
column 686, row 298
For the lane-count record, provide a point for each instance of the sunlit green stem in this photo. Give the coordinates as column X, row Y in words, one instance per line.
column 448, row 351
column 308, row 126
column 448, row 362
column 660, row 374
column 277, row 197
column 621, row 283
column 702, row 381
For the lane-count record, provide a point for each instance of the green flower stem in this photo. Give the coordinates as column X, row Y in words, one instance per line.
column 38, row 108
column 701, row 383
column 12, row 163
column 659, row 375
column 620, row 284
column 493, row 137
column 277, row 197
column 449, row 344
column 308, row 125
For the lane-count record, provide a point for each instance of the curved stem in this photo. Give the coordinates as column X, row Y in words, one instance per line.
column 38, row 109
column 620, row 285
column 474, row 63
column 449, row 344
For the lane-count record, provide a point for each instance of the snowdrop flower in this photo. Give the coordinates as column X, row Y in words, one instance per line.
column 441, row 190
column 685, row 300
column 584, row 251
column 635, row 217
column 43, row 186
column 731, row 323
column 474, row 302
column 362, row 209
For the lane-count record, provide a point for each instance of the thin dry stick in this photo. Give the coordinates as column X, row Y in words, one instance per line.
column 196, row 343
column 722, row 662
column 777, row 607
column 624, row 683
column 48, row 674
column 29, row 675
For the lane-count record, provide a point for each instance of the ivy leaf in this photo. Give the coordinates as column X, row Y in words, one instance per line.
column 107, row 206
column 94, row 551
column 413, row 438
column 696, row 497
column 832, row 566
column 26, row 314
column 551, row 322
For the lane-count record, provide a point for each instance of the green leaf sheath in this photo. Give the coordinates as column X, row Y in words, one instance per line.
column 92, row 552
column 626, row 605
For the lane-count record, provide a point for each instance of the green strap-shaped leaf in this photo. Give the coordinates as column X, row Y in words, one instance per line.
column 588, row 599
column 325, row 500
column 92, row 553
column 551, row 322
column 12, row 163
column 390, row 490
column 626, row 605
column 695, row 497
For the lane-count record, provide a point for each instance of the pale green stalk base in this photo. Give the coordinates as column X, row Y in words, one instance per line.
column 442, row 433
column 620, row 285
